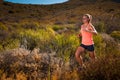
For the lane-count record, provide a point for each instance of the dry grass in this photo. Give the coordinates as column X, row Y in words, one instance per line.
column 25, row 26
column 105, row 68
column 21, row 64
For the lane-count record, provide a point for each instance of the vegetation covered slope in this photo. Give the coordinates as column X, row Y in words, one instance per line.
column 38, row 42
column 69, row 12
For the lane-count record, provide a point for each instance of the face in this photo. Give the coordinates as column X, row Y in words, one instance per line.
column 85, row 19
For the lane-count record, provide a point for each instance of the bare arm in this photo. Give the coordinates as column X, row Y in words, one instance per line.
column 91, row 30
column 79, row 35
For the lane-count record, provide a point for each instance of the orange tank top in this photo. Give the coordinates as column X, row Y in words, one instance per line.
column 87, row 37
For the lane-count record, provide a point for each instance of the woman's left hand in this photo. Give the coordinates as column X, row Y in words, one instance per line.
column 87, row 30
column 90, row 30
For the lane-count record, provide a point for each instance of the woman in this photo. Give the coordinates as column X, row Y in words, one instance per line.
column 87, row 31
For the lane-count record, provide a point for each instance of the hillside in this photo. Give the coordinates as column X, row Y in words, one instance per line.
column 64, row 13
column 38, row 42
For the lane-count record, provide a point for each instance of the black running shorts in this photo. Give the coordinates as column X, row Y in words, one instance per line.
column 88, row 47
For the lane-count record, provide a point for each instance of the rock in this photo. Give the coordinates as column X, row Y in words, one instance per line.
column 107, row 38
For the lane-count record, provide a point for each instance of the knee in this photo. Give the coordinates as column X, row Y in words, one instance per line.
column 78, row 53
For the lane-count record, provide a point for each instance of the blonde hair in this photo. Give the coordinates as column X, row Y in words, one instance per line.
column 89, row 17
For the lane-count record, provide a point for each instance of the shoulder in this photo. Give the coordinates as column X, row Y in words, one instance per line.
column 91, row 26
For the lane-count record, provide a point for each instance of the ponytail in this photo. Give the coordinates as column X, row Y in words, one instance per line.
column 89, row 17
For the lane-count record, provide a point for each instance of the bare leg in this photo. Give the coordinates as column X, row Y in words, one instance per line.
column 78, row 55
column 92, row 56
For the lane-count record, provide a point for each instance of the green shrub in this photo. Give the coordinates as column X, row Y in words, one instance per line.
column 105, row 44
column 72, row 27
column 57, row 27
column 100, row 27
column 30, row 25
column 47, row 41
column 99, row 44
column 36, row 38
column 66, row 45
column 111, row 46
column 116, row 34
column 1, row 48
column 117, row 14
column 72, row 21
column 11, row 44
column 3, row 27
